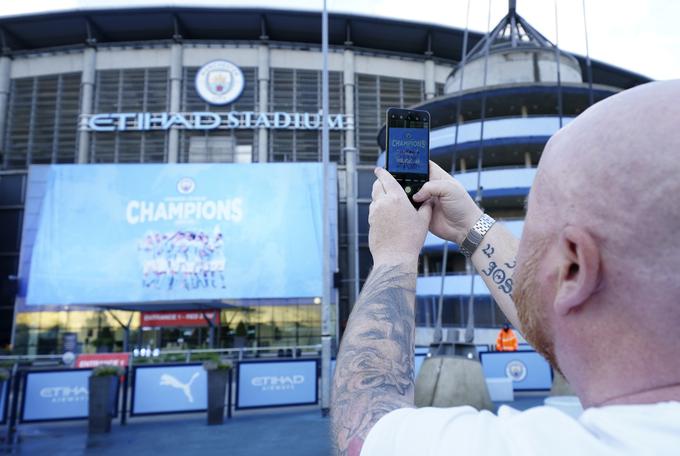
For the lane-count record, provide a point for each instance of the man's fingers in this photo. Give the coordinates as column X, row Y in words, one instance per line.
column 378, row 190
column 425, row 212
column 433, row 188
column 437, row 173
column 388, row 181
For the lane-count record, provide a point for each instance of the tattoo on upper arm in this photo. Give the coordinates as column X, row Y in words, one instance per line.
column 499, row 274
column 374, row 373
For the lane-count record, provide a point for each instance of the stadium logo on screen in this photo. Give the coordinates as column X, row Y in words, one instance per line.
column 219, row 82
column 186, row 185
column 516, row 370
column 174, row 382
column 278, row 383
column 60, row 394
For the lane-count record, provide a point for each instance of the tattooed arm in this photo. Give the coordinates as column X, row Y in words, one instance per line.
column 374, row 370
column 454, row 213
column 495, row 261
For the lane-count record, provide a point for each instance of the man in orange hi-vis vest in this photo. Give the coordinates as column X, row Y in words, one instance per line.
column 506, row 341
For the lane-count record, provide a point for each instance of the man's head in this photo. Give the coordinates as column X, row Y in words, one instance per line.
column 506, row 327
column 596, row 287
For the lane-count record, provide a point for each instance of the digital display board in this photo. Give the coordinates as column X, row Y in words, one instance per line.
column 169, row 388
column 56, row 395
column 527, row 369
column 276, row 383
column 117, row 234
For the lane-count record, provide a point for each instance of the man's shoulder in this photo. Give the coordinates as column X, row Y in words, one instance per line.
column 539, row 430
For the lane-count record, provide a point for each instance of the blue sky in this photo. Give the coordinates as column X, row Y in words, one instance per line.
column 639, row 35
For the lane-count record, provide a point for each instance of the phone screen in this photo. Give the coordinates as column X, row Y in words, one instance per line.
column 408, row 148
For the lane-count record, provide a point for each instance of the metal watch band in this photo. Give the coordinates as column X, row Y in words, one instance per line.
column 475, row 235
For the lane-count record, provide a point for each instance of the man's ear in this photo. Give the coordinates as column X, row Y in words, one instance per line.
column 579, row 269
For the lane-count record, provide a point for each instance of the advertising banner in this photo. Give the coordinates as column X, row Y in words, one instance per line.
column 55, row 395
column 117, row 234
column 176, row 319
column 169, row 388
column 4, row 392
column 91, row 360
column 276, row 383
column 528, row 370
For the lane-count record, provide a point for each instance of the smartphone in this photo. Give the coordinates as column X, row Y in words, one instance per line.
column 408, row 149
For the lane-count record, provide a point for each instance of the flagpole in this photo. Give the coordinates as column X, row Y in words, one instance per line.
column 326, row 297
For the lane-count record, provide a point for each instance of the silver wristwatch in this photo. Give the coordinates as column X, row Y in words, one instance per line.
column 475, row 235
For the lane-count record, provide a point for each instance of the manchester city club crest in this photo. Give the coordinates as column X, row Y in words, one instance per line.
column 219, row 82
column 516, row 370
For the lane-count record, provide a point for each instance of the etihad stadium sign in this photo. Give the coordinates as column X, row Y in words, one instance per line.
column 219, row 82
column 206, row 120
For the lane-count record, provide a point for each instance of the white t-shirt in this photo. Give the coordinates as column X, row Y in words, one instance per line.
column 613, row 430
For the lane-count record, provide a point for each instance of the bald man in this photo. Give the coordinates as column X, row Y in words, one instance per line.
column 593, row 285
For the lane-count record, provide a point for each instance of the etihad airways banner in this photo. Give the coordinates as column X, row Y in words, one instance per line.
column 116, row 234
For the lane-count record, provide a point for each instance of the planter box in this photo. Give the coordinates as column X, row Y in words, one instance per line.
column 217, row 385
column 101, row 405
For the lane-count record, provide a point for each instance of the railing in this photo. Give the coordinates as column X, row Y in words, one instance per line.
column 496, row 128
column 291, row 351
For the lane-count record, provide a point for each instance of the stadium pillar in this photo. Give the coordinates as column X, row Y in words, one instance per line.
column 86, row 92
column 348, row 83
column 176, row 57
column 352, row 222
column 263, row 100
column 429, row 79
column 5, row 66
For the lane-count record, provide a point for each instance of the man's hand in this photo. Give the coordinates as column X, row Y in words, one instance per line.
column 397, row 230
column 453, row 210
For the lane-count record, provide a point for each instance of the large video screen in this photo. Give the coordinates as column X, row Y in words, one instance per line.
column 116, row 234
column 169, row 389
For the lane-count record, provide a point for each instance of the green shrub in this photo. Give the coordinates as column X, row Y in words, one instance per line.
column 107, row 371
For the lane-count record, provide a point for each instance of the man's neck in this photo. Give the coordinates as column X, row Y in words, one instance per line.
column 665, row 393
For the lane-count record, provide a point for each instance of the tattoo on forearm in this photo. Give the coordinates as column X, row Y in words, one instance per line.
column 374, row 370
column 499, row 274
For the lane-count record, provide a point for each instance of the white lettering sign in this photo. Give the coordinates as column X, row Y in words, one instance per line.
column 230, row 210
column 277, row 383
column 58, row 394
column 144, row 121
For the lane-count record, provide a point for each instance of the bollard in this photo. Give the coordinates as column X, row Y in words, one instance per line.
column 451, row 381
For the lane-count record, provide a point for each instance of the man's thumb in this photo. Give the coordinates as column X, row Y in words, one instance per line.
column 432, row 188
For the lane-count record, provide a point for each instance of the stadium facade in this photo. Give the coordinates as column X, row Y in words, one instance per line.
column 120, row 86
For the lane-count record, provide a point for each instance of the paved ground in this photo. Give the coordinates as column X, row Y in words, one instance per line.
column 294, row 432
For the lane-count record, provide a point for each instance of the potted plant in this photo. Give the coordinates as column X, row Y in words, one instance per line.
column 218, row 375
column 103, row 384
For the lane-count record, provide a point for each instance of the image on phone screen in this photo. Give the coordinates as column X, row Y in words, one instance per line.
column 408, row 148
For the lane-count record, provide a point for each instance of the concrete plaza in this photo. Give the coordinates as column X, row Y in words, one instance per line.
column 273, row 432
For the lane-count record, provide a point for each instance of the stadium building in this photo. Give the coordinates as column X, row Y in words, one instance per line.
column 121, row 86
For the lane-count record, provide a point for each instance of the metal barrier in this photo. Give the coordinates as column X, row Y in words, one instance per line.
column 271, row 377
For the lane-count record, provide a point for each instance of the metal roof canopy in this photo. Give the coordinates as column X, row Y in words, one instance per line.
column 77, row 28
column 177, row 306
